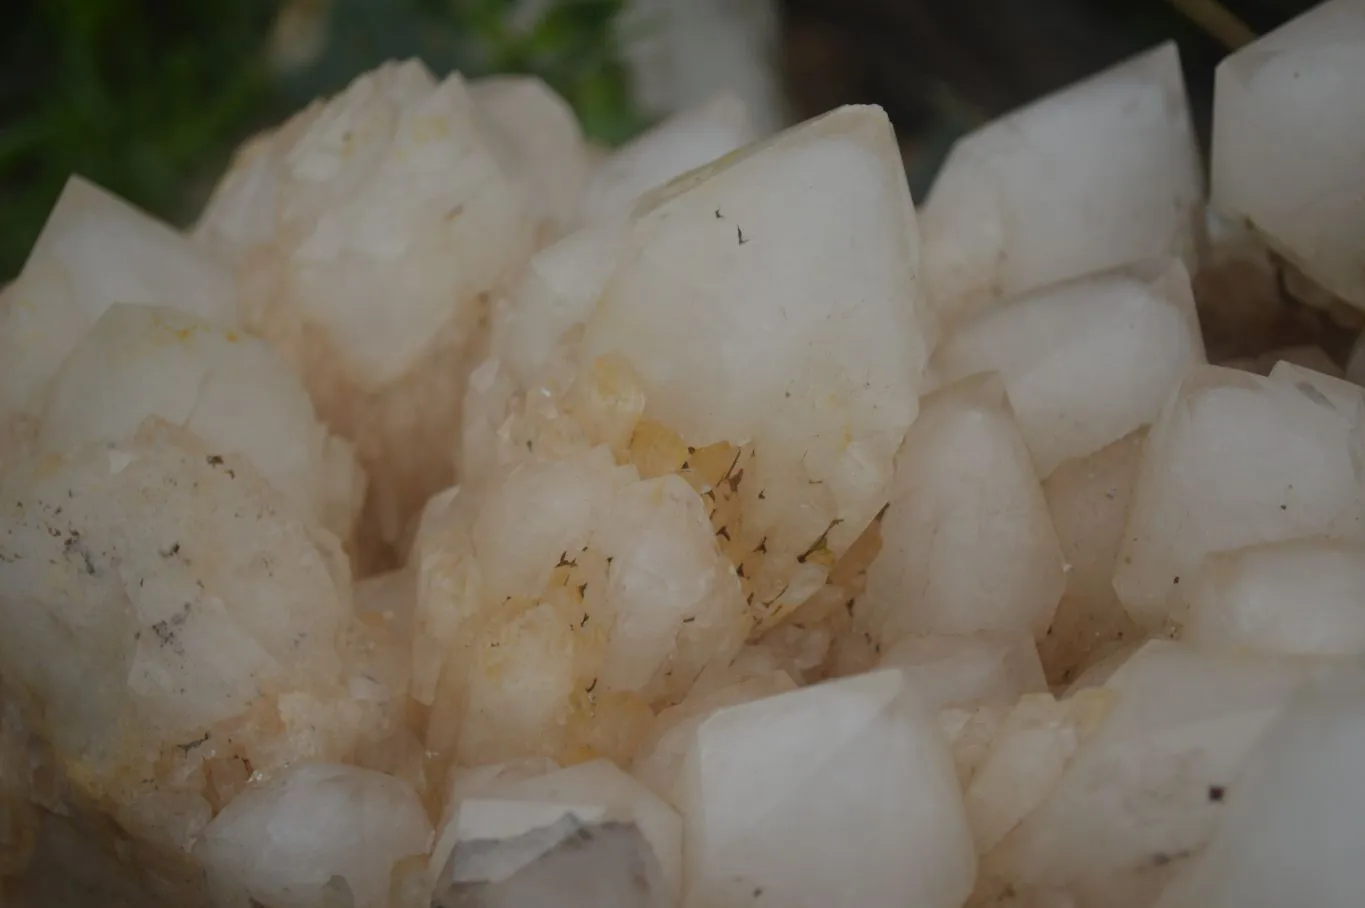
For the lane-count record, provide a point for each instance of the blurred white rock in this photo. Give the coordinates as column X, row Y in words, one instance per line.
column 228, row 388
column 1100, row 174
column 1285, row 159
column 1290, row 831
column 1300, row 596
column 1235, row 460
column 967, row 542
column 772, row 789
column 316, row 836
column 96, row 250
column 1085, row 362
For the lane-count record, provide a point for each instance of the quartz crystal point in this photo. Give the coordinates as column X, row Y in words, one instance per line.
column 370, row 230
column 1145, row 787
column 316, row 836
column 1285, row 159
column 487, row 806
column 567, row 596
column 543, row 138
column 95, row 250
column 1301, row 596
column 960, row 671
column 967, row 542
column 683, row 142
column 1088, row 499
column 1237, row 460
column 1098, row 175
column 201, row 624
column 774, row 790
column 1295, row 816
column 568, row 864
column 750, row 320
column 227, row 388
column 1086, row 362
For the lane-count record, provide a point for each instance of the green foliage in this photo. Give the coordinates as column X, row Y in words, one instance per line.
column 149, row 97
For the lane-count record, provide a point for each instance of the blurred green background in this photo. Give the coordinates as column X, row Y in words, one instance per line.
column 149, row 97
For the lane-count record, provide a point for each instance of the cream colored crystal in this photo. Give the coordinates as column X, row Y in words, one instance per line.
column 506, row 805
column 1235, row 460
column 1289, row 832
column 1103, row 173
column 1285, row 160
column 968, row 671
column 1088, row 499
column 1146, row 787
column 1086, row 362
column 316, row 836
column 371, row 230
column 685, row 141
column 201, row 623
column 771, row 790
column 967, row 543
column 564, row 594
column 228, row 388
column 95, row 250
column 1301, row 596
column 543, row 138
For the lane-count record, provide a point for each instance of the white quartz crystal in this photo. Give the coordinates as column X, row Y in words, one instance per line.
column 200, row 621
column 1295, row 815
column 774, row 790
column 1286, row 160
column 1088, row 499
column 1235, row 460
column 1300, row 596
column 95, row 250
column 967, row 542
column 507, row 805
column 566, row 591
column 966, row 671
column 544, row 140
column 316, row 836
column 370, row 231
column 1146, row 786
column 1086, row 362
column 1100, row 174
column 685, row 141
column 228, row 388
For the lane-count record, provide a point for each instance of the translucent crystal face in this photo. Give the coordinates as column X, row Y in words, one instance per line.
column 466, row 517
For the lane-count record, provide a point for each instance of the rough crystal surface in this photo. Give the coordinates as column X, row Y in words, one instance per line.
column 1100, row 174
column 1284, row 160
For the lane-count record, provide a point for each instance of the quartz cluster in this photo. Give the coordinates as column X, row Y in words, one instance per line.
column 461, row 517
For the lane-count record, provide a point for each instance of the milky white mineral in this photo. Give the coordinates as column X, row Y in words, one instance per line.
column 1235, row 460
column 1145, row 787
column 1290, row 831
column 969, row 670
column 370, row 230
column 316, row 836
column 1284, row 159
column 1085, row 362
column 543, row 140
column 967, row 542
column 570, row 592
column 226, row 387
column 1088, row 499
column 201, row 623
column 95, row 250
column 685, row 141
column 1300, row 596
column 569, row 863
column 1098, row 175
column 772, row 791
column 506, row 805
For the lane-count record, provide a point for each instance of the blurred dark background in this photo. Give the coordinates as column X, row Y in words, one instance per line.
column 149, row 97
